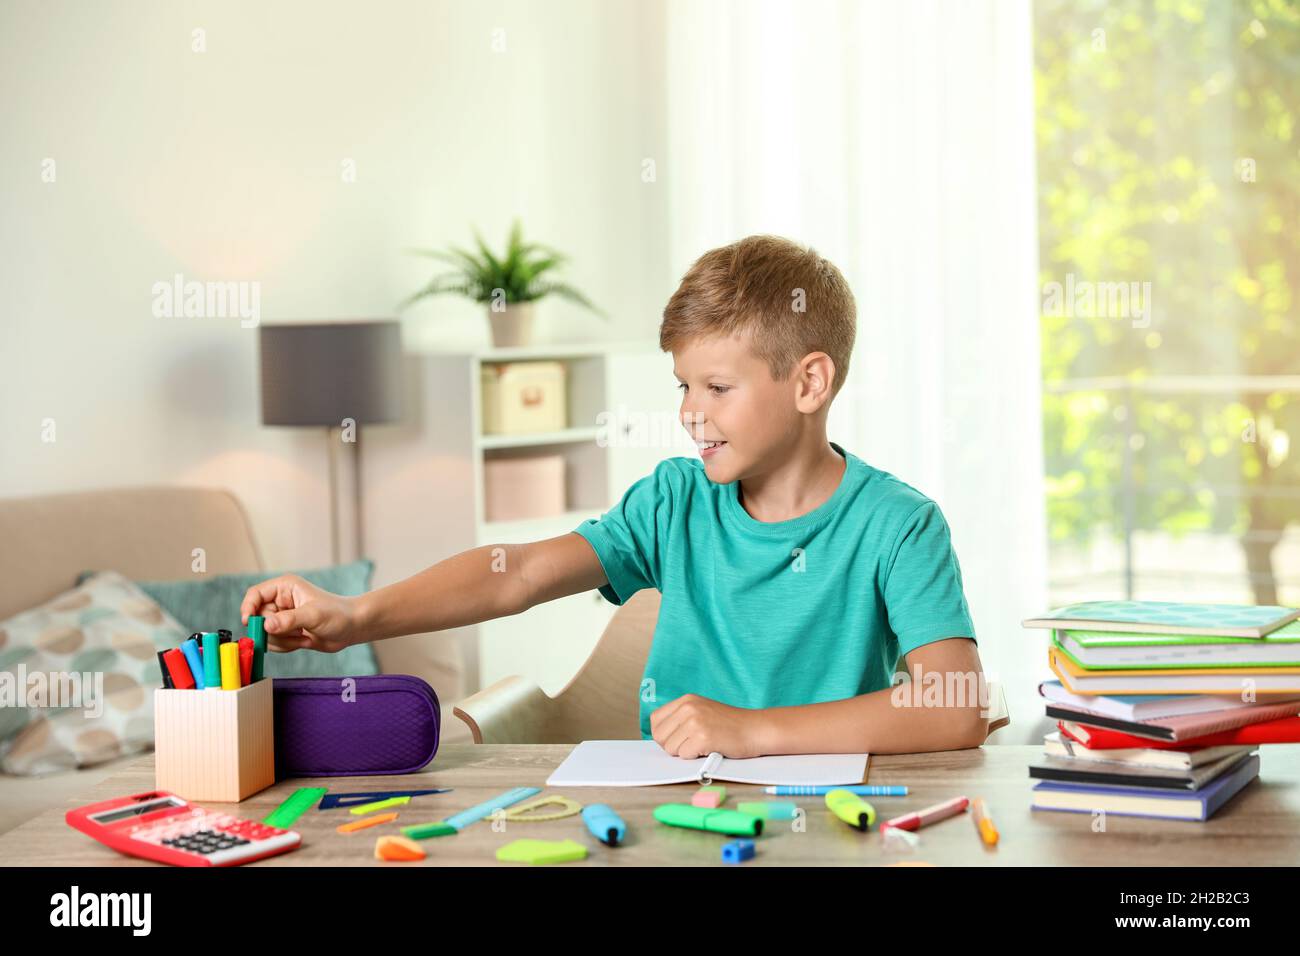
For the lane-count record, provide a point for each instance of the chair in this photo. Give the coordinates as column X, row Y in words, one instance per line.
column 599, row 703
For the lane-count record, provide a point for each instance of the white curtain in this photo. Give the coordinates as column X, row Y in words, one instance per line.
column 896, row 139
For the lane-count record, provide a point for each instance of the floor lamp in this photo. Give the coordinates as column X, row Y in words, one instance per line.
column 333, row 375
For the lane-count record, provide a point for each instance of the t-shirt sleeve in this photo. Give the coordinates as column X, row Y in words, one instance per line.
column 923, row 591
column 628, row 538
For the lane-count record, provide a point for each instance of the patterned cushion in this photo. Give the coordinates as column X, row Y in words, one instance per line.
column 108, row 631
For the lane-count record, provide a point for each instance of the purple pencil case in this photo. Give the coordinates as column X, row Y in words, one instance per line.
column 351, row 726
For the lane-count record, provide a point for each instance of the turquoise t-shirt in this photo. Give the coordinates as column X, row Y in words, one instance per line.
column 769, row 614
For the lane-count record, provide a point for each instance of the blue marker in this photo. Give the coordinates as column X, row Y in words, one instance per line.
column 605, row 825
column 191, row 651
column 862, row 790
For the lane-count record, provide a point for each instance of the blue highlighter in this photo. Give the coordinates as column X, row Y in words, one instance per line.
column 191, row 651
column 605, row 825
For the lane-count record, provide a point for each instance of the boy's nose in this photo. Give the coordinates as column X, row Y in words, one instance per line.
column 691, row 419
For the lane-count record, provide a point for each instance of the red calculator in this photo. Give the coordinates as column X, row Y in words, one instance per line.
column 162, row 826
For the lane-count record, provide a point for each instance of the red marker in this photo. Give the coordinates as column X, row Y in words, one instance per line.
column 182, row 678
column 922, row 818
column 245, row 661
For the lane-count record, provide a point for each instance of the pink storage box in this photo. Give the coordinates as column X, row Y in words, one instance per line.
column 523, row 486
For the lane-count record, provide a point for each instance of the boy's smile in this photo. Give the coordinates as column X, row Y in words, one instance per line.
column 740, row 417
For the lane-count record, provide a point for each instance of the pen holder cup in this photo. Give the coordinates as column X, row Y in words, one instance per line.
column 214, row 744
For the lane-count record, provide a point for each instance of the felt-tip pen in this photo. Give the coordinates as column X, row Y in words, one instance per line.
column 605, row 825
column 921, row 818
column 861, row 789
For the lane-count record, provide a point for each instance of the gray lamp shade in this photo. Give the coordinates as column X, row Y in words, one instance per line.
column 321, row 374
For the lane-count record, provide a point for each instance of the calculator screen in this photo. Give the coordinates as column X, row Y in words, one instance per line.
column 140, row 809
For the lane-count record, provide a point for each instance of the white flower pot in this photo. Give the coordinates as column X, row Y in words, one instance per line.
column 513, row 326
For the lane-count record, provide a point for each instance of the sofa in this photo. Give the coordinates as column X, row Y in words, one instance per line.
column 148, row 534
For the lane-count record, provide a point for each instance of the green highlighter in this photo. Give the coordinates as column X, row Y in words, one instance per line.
column 731, row 822
column 851, row 808
column 257, row 631
column 211, row 660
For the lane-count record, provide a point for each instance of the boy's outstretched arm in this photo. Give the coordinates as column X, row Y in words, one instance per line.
column 488, row 582
column 942, row 709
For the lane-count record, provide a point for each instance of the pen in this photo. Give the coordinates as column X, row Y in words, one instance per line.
column 921, row 818
column 211, row 660
column 182, row 679
column 245, row 661
column 979, row 814
column 851, row 808
column 166, row 677
column 701, row 818
column 230, row 666
column 257, row 631
column 861, row 789
column 191, row 651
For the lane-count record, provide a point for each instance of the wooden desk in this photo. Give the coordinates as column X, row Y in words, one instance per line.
column 1261, row 826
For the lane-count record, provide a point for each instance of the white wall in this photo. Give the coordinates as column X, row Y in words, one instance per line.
column 226, row 165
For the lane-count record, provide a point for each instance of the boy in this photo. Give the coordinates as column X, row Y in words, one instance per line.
column 793, row 574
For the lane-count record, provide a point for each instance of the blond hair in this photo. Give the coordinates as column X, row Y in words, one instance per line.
column 790, row 300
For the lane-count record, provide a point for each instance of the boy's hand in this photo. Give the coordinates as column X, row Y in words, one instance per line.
column 693, row 726
column 299, row 614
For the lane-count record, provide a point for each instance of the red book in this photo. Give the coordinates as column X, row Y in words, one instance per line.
column 1283, row 730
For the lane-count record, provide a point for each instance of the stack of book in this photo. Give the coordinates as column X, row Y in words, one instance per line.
column 1161, row 707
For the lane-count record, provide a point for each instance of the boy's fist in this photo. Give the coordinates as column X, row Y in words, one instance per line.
column 299, row 614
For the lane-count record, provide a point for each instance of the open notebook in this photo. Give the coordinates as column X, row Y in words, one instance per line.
column 643, row 763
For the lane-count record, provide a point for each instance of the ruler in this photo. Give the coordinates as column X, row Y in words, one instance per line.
column 298, row 803
column 466, row 817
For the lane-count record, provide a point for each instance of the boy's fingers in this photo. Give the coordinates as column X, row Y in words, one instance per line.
column 256, row 597
column 293, row 621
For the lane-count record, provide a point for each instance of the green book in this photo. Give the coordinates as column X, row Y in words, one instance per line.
column 1119, row 650
column 1169, row 617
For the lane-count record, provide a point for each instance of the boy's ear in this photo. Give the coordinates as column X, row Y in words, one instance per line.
column 814, row 376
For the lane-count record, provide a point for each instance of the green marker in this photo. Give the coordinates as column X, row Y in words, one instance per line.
column 732, row 822
column 257, row 631
column 770, row 809
column 423, row 831
column 851, row 808
column 211, row 660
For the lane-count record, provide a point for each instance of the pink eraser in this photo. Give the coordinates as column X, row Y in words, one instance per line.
column 709, row 797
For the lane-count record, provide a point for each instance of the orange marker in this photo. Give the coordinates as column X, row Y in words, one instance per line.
column 364, row 822
column 979, row 814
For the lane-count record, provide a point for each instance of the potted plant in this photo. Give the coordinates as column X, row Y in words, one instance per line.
column 508, row 285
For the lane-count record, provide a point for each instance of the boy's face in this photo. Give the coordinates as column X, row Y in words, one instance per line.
column 729, row 397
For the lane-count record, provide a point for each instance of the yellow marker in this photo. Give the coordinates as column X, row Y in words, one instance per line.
column 229, row 666
column 366, row 822
column 983, row 822
column 851, row 808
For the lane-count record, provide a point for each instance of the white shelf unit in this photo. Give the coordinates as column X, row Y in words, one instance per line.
column 424, row 498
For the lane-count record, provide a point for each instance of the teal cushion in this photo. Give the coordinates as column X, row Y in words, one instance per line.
column 211, row 603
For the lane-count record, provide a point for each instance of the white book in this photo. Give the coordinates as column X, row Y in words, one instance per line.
column 1055, row 745
column 643, row 763
column 1147, row 707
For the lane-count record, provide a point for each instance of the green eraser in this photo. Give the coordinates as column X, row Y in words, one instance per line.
column 769, row 809
column 423, row 831
column 542, row 851
column 732, row 822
